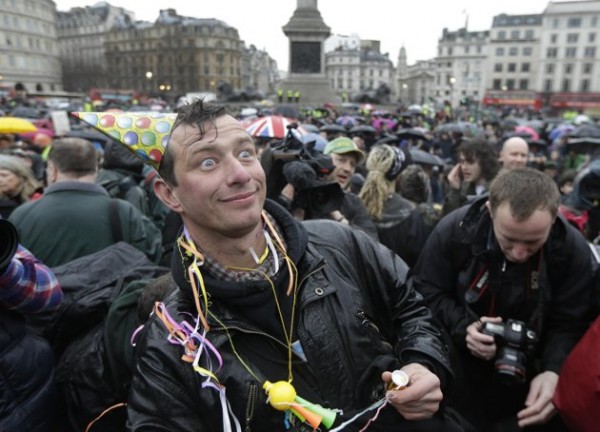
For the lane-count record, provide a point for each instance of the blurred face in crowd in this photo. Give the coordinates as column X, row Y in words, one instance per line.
column 221, row 185
column 345, row 166
column 514, row 154
column 470, row 168
column 10, row 183
column 520, row 240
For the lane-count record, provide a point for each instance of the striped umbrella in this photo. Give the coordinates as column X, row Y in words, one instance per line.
column 271, row 127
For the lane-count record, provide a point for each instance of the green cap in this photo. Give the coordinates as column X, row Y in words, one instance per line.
column 343, row 145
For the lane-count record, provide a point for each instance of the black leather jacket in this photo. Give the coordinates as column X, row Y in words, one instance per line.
column 357, row 315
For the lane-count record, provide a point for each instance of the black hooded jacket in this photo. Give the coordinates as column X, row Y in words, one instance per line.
column 357, row 315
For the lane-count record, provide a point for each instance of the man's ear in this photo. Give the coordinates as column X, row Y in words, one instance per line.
column 51, row 173
column 166, row 195
column 489, row 207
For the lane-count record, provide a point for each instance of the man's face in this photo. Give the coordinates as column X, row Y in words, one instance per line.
column 514, row 153
column 471, row 170
column 10, row 183
column 520, row 240
column 345, row 165
column 221, row 184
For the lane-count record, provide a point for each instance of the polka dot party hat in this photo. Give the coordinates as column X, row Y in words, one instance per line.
column 146, row 134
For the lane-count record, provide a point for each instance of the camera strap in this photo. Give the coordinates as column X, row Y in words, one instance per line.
column 483, row 280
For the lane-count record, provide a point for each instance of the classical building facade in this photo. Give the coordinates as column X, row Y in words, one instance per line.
column 81, row 34
column 461, row 65
column 569, row 65
column 30, row 55
column 514, row 52
column 174, row 55
column 259, row 71
column 353, row 66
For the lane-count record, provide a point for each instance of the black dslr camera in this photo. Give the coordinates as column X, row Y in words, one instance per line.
column 515, row 341
column 9, row 241
column 304, row 168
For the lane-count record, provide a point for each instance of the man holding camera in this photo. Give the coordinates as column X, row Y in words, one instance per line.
column 511, row 282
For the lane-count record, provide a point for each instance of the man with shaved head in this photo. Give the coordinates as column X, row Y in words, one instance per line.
column 514, row 153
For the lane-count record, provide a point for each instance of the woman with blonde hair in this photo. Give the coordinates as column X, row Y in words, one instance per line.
column 17, row 184
column 399, row 225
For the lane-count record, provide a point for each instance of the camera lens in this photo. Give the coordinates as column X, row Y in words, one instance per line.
column 510, row 365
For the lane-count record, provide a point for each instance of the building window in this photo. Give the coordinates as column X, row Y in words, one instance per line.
column 568, row 68
column 574, row 22
column 449, row 51
column 513, row 51
column 551, row 52
column 553, row 38
column 590, row 52
column 594, row 21
column 501, row 35
column 572, row 37
column 525, row 67
column 497, row 84
column 498, row 67
column 571, row 52
column 555, row 23
column 514, row 34
column 510, row 84
column 527, row 51
column 548, row 85
column 585, row 85
column 529, row 34
column 512, row 67
column 587, row 68
column 566, row 85
column 523, row 84
column 499, row 52
column 478, row 49
column 591, row 37
column 467, row 49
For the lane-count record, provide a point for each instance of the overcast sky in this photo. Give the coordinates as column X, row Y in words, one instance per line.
column 415, row 24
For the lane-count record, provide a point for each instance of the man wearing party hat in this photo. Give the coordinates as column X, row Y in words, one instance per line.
column 277, row 325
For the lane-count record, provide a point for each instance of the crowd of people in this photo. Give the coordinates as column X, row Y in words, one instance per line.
column 368, row 270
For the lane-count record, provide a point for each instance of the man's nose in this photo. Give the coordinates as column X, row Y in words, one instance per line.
column 520, row 252
column 238, row 172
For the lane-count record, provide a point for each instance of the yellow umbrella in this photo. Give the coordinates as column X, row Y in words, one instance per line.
column 16, row 125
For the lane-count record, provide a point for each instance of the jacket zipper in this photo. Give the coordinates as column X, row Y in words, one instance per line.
column 252, row 397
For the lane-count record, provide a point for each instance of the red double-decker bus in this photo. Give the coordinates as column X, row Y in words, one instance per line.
column 514, row 98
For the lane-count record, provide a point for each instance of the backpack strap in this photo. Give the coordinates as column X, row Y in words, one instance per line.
column 115, row 221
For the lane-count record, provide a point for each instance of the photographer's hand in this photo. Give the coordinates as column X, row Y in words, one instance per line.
column 421, row 398
column 539, row 400
column 481, row 345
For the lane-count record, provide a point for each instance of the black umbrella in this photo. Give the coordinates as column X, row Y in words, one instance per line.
column 363, row 129
column 333, row 128
column 286, row 111
column 424, row 158
column 585, row 131
column 389, row 139
column 411, row 134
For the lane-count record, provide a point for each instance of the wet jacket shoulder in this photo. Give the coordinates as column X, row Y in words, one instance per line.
column 354, row 210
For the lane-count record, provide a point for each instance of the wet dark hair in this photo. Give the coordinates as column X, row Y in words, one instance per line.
column 197, row 114
column 484, row 153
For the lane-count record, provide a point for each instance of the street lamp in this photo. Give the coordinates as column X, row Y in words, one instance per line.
column 452, row 81
column 149, row 76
